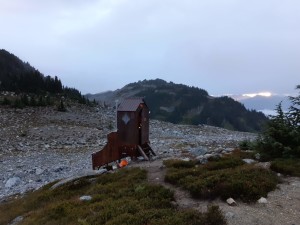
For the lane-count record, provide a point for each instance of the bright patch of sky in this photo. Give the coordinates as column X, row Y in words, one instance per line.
column 263, row 94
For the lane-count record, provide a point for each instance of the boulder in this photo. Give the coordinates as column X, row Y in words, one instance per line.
column 262, row 200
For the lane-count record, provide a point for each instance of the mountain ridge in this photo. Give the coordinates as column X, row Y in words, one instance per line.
column 182, row 104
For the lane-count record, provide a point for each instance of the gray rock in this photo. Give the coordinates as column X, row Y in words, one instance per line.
column 85, row 198
column 13, row 181
column 231, row 202
column 16, row 220
column 207, row 156
column 262, row 200
column 82, row 174
column 249, row 161
column 186, row 159
column 198, row 151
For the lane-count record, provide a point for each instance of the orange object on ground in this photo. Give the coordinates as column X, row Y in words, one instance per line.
column 123, row 163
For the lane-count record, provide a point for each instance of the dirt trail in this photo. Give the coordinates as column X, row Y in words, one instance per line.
column 283, row 207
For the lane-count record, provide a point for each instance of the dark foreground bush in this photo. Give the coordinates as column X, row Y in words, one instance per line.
column 224, row 178
column 287, row 166
column 120, row 198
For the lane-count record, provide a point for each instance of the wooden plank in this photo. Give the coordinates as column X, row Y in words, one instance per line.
column 141, row 151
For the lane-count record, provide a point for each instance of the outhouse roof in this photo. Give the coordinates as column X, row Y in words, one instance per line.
column 130, row 104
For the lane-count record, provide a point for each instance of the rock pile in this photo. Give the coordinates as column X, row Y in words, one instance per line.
column 40, row 145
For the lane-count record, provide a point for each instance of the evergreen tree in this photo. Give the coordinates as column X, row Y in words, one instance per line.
column 294, row 110
column 282, row 135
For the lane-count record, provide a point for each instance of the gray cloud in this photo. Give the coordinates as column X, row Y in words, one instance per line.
column 232, row 46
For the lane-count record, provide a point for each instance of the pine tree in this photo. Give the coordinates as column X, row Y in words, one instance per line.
column 294, row 110
column 282, row 135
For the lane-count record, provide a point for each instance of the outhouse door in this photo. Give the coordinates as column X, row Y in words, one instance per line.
column 143, row 126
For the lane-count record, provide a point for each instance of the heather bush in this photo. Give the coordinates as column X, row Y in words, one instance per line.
column 122, row 197
column 281, row 138
column 223, row 178
column 286, row 166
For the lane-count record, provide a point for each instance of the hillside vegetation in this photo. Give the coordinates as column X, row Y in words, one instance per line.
column 222, row 177
column 182, row 104
column 23, row 85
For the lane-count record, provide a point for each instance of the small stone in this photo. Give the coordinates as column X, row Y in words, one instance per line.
column 231, row 202
column 186, row 159
column 249, row 161
column 262, row 200
column 85, row 198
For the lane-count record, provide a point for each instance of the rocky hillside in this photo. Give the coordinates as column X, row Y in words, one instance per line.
column 181, row 104
column 40, row 145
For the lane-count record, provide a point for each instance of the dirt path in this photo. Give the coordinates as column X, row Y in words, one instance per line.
column 283, row 207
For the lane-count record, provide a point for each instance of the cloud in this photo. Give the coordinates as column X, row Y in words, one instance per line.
column 263, row 94
column 223, row 46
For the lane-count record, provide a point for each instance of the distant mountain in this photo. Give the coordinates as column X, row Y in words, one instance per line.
column 23, row 79
column 178, row 103
column 261, row 103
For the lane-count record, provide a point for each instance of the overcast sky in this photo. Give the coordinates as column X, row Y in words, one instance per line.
column 223, row 46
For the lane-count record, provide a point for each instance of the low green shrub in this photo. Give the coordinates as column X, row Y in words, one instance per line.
column 223, row 163
column 241, row 154
column 119, row 198
column 177, row 163
column 287, row 166
column 246, row 145
column 224, row 177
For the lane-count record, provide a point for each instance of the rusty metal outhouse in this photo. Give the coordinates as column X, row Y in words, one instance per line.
column 132, row 135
